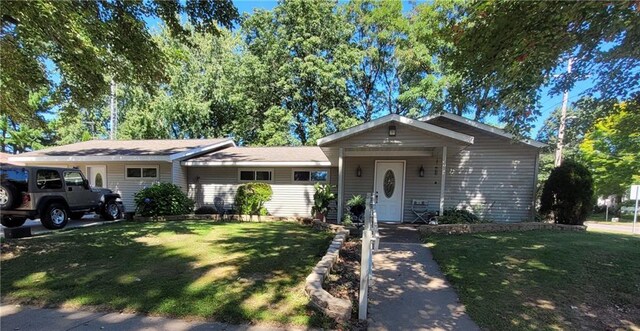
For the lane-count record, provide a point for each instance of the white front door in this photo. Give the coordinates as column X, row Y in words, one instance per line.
column 97, row 176
column 389, row 183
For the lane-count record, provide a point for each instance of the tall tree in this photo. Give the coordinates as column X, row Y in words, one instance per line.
column 302, row 55
column 611, row 148
column 196, row 101
column 384, row 71
column 71, row 47
column 495, row 55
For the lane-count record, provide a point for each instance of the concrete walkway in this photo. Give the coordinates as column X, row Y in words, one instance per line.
column 87, row 221
column 409, row 290
column 14, row 317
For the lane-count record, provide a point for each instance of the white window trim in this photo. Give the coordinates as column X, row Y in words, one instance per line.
column 141, row 167
column 254, row 170
column 293, row 171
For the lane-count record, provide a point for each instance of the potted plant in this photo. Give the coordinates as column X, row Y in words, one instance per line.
column 322, row 198
column 357, row 205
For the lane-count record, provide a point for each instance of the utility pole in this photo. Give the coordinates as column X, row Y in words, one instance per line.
column 114, row 112
column 563, row 119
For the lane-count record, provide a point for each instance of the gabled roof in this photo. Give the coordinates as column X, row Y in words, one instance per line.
column 262, row 156
column 400, row 119
column 124, row 150
column 483, row 127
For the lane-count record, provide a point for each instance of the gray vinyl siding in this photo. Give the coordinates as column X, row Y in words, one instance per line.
column 179, row 175
column 289, row 198
column 116, row 180
column 406, row 136
column 416, row 187
column 495, row 175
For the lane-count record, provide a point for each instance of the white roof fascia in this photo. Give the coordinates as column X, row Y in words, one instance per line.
column 201, row 150
column 484, row 127
column 257, row 163
column 400, row 119
column 106, row 158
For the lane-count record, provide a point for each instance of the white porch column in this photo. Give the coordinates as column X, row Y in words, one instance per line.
column 340, row 185
column 444, row 176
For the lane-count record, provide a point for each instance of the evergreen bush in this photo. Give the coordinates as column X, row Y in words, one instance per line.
column 568, row 194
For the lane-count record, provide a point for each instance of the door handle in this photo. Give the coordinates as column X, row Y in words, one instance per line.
column 69, row 188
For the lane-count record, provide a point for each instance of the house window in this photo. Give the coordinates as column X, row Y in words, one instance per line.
column 141, row 172
column 310, row 175
column 259, row 175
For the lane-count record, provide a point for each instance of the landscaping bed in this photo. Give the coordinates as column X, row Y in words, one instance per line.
column 233, row 272
column 544, row 279
column 344, row 281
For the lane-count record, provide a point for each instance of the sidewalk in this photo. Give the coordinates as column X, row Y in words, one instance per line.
column 410, row 292
column 14, row 317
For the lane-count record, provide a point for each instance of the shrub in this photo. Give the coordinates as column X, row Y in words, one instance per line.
column 357, row 205
column 568, row 194
column 250, row 198
column 458, row 216
column 322, row 198
column 206, row 210
column 162, row 199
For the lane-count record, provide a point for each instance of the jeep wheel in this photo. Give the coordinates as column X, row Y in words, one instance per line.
column 77, row 215
column 12, row 222
column 112, row 211
column 8, row 196
column 55, row 216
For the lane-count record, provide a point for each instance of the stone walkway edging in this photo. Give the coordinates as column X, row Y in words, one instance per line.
column 336, row 308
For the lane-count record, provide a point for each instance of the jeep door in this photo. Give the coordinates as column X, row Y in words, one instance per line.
column 79, row 196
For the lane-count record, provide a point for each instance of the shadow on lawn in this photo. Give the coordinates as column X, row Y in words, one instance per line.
column 544, row 279
column 229, row 272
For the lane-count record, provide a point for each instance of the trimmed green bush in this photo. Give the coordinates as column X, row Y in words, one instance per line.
column 250, row 198
column 568, row 194
column 162, row 199
column 458, row 216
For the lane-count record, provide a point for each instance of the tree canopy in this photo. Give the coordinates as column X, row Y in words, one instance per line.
column 306, row 68
column 611, row 148
column 87, row 43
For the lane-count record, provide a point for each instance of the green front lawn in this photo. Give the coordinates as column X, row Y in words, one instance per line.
column 231, row 272
column 543, row 279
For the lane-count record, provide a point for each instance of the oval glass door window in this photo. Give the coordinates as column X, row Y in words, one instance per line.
column 98, row 180
column 389, row 183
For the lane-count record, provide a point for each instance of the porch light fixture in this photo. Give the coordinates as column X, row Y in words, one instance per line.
column 421, row 171
column 392, row 130
column 359, row 172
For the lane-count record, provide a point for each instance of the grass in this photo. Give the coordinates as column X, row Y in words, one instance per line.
column 601, row 218
column 543, row 279
column 230, row 272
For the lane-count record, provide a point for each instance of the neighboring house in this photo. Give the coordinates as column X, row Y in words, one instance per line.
column 446, row 159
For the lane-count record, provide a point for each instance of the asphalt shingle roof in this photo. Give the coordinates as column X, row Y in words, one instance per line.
column 125, row 147
column 265, row 154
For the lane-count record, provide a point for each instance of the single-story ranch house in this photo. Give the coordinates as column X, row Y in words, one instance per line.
column 447, row 160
